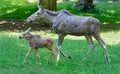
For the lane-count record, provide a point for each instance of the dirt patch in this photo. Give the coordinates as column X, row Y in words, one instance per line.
column 17, row 24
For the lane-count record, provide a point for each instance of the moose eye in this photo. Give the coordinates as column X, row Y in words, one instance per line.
column 38, row 13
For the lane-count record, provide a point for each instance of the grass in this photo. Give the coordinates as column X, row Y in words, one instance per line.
column 21, row 9
column 13, row 51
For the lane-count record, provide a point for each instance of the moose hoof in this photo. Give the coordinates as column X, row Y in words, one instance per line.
column 108, row 61
column 69, row 57
column 83, row 60
column 48, row 63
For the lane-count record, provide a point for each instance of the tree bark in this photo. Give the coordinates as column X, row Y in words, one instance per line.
column 65, row 0
column 49, row 4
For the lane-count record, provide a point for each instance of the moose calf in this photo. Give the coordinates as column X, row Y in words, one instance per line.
column 35, row 42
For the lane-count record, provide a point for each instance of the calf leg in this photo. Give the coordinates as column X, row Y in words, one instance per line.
column 91, row 46
column 60, row 40
column 101, row 42
column 28, row 53
column 37, row 55
column 53, row 53
column 49, row 58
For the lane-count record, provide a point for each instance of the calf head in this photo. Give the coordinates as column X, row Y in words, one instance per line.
column 26, row 34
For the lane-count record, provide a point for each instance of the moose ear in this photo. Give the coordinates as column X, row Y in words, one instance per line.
column 28, row 29
column 40, row 7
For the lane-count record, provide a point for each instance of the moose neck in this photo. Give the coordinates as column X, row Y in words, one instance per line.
column 50, row 15
column 29, row 37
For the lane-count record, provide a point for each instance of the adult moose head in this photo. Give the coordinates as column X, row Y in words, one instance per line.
column 35, row 16
column 65, row 23
column 41, row 14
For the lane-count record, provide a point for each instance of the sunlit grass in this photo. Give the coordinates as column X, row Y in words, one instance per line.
column 111, row 38
column 13, row 51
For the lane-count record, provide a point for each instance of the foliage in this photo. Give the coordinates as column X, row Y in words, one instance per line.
column 106, row 12
column 13, row 51
column 21, row 9
column 16, row 9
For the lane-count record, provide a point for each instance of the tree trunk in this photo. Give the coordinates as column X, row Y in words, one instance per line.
column 48, row 4
column 65, row 0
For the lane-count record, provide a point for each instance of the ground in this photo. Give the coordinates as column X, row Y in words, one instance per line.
column 18, row 24
column 11, row 62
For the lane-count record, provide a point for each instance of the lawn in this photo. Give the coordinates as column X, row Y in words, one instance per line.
column 13, row 51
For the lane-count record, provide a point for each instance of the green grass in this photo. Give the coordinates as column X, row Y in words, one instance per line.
column 16, row 9
column 13, row 51
column 21, row 9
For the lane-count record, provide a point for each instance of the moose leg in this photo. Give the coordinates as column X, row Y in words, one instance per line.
column 49, row 58
column 101, row 42
column 28, row 53
column 91, row 46
column 37, row 55
column 60, row 40
column 53, row 53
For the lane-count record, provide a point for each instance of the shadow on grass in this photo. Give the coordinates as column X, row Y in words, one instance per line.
column 110, row 27
column 14, row 24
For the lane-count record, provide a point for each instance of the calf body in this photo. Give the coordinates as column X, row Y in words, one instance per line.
column 35, row 42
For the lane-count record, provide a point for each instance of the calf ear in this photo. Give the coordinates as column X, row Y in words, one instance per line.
column 28, row 29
